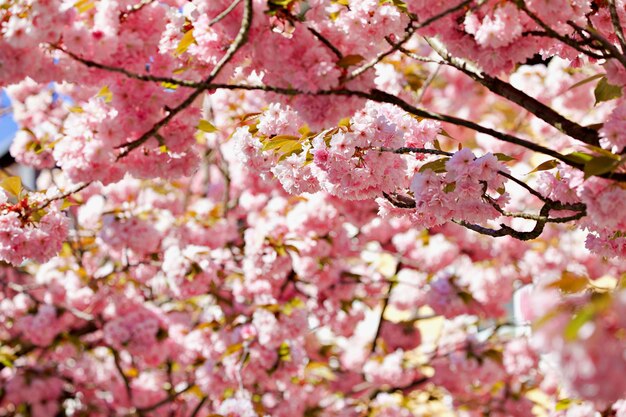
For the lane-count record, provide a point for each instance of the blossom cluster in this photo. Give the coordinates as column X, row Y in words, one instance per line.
column 313, row 208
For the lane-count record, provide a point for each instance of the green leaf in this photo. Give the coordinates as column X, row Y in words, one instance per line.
column 570, row 283
column 350, row 60
column 76, row 109
column 466, row 297
column 35, row 147
column 284, row 352
column 602, row 151
column 232, row 349
column 169, row 86
column 84, row 5
column 320, row 370
column 185, row 42
column 106, row 94
column 437, row 166
column 579, row 157
column 605, row 91
column 563, row 404
column 283, row 145
column 67, row 204
column 278, row 141
column 600, row 165
column 583, row 316
column 7, row 359
column 206, row 126
column 585, row 81
column 401, row 5
column 552, row 163
column 449, row 187
column 37, row 215
column 12, row 185
column 504, row 157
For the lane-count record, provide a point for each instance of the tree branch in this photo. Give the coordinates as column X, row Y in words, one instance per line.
column 239, row 41
column 617, row 26
column 409, row 31
column 534, row 106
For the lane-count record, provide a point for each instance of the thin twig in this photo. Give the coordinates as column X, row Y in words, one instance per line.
column 65, row 194
column 225, row 13
column 549, row 32
column 326, row 42
column 118, row 366
column 617, row 26
column 409, row 31
column 165, row 400
column 610, row 48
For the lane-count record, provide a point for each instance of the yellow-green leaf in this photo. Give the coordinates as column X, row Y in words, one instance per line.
column 449, row 187
column 605, row 91
column 232, row 349
column 437, row 166
column 602, row 151
column 185, row 42
column 320, row 370
column 84, row 5
column 585, row 81
column 563, row 404
column 503, row 157
column 570, row 283
column 67, row 204
column 284, row 352
column 106, row 94
column 579, row 157
column 552, row 163
column 583, row 316
column 350, row 60
column 76, row 109
column 169, row 86
column 12, row 185
column 206, row 126
column 600, row 165
column 284, row 145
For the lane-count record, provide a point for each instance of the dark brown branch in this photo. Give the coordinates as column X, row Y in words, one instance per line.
column 374, row 95
column 534, row 106
column 381, row 96
column 66, row 194
column 141, row 77
column 326, row 42
column 198, row 407
column 134, row 9
column 617, row 25
column 118, row 366
column 610, row 48
column 551, row 33
column 165, row 400
column 379, row 327
column 405, row 389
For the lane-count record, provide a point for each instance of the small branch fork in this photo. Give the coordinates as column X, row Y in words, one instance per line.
column 541, row 219
column 240, row 40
